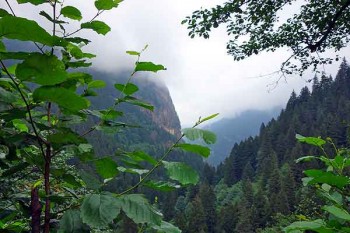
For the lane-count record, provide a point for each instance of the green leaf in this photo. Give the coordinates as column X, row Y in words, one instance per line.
column 337, row 212
column 77, row 53
column 166, row 227
column 97, row 84
column 140, row 156
column 17, row 28
column 161, row 185
column 98, row 210
column 106, row 4
column 133, row 53
column 65, row 137
column 34, row 2
column 310, row 140
column 127, row 89
column 106, row 167
column 7, row 96
column 208, row 118
column 90, row 180
column 62, row 97
column 181, row 172
column 137, row 208
column 70, row 179
column 72, row 223
column 3, row 13
column 317, row 225
column 327, row 177
column 137, row 102
column 20, row 125
column 71, row 12
column 98, row 26
column 198, row 149
column 148, row 66
column 194, row 134
column 42, row 69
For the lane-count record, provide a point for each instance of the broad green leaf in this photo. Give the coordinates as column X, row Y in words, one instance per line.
column 65, row 137
column 72, row 223
column 166, row 227
column 7, row 96
column 337, row 212
column 310, row 140
column 97, row 84
column 320, row 176
column 137, row 208
column 181, row 172
column 98, row 210
column 209, row 137
column 140, row 156
column 110, row 114
column 20, row 125
column 106, row 4
column 106, row 167
column 316, row 225
column 62, row 97
column 77, row 53
column 98, row 26
column 198, row 149
column 42, row 69
column 148, row 66
column 127, row 89
column 208, row 118
column 133, row 53
column 194, row 134
column 137, row 102
column 90, row 180
column 34, row 2
column 161, row 185
column 14, row 55
column 17, row 28
column 3, row 12
column 71, row 12
column 70, row 179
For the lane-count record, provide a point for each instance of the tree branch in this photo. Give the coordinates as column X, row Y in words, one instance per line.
column 331, row 25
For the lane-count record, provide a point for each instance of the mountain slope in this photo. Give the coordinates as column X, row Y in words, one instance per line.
column 232, row 130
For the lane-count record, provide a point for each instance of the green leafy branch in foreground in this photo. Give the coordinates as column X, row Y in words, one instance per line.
column 43, row 97
column 331, row 184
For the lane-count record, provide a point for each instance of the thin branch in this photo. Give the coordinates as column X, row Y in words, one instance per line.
column 78, row 30
column 159, row 163
column 8, row 4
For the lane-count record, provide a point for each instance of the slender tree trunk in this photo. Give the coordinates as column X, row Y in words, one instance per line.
column 47, row 189
column 36, row 210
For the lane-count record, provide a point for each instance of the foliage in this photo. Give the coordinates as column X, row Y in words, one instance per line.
column 45, row 96
column 257, row 26
column 331, row 184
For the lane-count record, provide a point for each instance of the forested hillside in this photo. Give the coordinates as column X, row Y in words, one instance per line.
column 258, row 187
column 233, row 130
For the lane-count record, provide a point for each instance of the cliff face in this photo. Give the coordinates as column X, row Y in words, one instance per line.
column 156, row 130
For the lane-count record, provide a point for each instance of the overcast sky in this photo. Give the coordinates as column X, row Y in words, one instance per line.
column 201, row 77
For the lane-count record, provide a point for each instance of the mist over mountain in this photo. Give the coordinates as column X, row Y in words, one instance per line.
column 232, row 130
